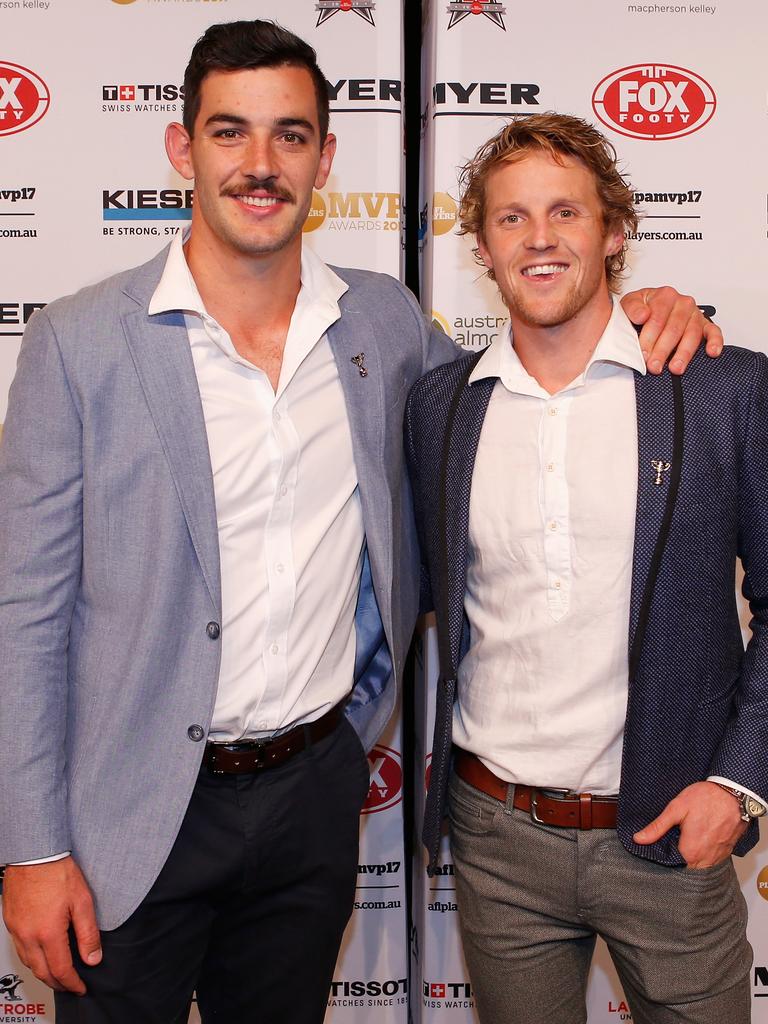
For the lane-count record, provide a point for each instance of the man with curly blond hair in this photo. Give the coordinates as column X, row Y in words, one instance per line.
column 580, row 530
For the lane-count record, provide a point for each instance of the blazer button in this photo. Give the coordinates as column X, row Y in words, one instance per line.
column 196, row 733
column 213, row 629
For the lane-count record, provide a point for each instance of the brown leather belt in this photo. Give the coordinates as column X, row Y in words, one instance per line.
column 571, row 810
column 256, row 755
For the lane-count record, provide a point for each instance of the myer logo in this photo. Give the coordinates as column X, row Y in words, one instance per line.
column 444, row 212
column 354, row 211
column 654, row 101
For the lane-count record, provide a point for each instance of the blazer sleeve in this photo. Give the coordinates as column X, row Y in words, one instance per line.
column 40, row 570
column 741, row 754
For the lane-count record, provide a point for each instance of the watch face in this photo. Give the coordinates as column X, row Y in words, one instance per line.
column 754, row 808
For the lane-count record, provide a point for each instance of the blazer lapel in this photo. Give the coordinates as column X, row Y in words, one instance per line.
column 463, row 428
column 659, row 464
column 361, row 375
column 159, row 346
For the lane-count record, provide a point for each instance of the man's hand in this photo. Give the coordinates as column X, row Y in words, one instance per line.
column 40, row 901
column 710, row 824
column 671, row 323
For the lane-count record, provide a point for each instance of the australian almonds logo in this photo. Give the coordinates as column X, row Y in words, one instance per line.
column 354, row 211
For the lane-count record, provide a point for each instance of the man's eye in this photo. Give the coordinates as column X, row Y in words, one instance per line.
column 227, row 133
column 293, row 138
column 565, row 214
column 511, row 218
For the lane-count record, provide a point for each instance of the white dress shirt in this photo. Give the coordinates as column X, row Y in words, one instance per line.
column 542, row 692
column 289, row 518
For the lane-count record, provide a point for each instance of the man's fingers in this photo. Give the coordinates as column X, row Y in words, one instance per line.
column 713, row 336
column 666, row 326
column 688, row 345
column 657, row 828
column 86, row 930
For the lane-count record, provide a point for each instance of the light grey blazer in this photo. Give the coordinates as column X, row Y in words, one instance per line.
column 109, row 567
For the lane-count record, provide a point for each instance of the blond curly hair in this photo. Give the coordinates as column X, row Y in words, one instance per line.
column 558, row 135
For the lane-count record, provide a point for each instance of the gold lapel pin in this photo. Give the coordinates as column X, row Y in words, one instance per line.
column 359, row 361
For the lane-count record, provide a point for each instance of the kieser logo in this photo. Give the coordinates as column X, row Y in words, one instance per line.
column 762, row 883
column 147, row 204
column 122, row 98
column 14, row 316
column 354, row 211
column 444, row 212
column 386, row 788
column 24, row 98
column 461, row 9
column 654, row 101
column 362, row 8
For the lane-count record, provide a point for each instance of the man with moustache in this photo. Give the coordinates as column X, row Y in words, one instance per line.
column 207, row 583
column 599, row 784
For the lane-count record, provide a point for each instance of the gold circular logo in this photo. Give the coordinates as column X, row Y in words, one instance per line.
column 316, row 215
column 762, row 883
column 439, row 321
column 123, row 1
column 444, row 211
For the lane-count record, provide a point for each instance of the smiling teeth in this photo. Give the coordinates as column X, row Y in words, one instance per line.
column 258, row 200
column 547, row 268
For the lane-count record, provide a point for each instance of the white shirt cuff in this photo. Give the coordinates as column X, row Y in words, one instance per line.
column 734, row 785
column 42, row 860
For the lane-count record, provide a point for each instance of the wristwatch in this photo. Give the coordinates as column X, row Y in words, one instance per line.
column 749, row 807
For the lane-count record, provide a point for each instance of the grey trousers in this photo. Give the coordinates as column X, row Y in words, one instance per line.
column 532, row 899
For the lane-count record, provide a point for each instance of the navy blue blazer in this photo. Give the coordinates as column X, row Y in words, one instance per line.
column 698, row 703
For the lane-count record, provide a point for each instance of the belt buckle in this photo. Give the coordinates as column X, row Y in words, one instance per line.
column 535, row 799
column 244, row 746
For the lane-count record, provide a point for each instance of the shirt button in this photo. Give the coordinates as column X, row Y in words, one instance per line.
column 280, row 567
column 283, row 491
column 213, row 629
column 274, row 649
column 278, row 417
column 553, row 525
column 557, row 584
column 552, row 410
column 196, row 733
column 550, row 467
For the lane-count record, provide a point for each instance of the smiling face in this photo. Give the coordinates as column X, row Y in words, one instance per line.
column 545, row 241
column 255, row 157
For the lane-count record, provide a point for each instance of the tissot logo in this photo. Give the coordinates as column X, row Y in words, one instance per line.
column 362, row 8
column 654, row 101
column 386, row 788
column 461, row 9
column 24, row 98
column 142, row 97
column 448, row 993
column 354, row 211
column 147, row 204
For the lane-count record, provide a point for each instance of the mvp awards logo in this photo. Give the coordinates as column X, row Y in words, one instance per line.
column 354, row 211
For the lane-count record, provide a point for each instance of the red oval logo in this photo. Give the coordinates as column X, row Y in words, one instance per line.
column 386, row 790
column 24, row 98
column 654, row 101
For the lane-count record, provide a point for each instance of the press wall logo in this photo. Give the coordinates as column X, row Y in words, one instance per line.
column 654, row 101
column 761, row 982
column 444, row 213
column 141, row 98
column 448, row 994
column 473, row 332
column 24, row 98
column 14, row 316
column 386, row 789
column 461, row 9
column 762, row 883
column 354, row 211
column 391, row 992
column 13, row 1006
column 620, row 1008
column 362, row 8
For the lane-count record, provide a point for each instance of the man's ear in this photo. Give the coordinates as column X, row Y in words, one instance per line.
column 614, row 241
column 326, row 160
column 178, row 146
column 482, row 248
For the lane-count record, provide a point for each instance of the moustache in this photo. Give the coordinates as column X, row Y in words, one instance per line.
column 255, row 185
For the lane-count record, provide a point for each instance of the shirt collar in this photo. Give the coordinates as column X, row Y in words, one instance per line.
column 176, row 289
column 618, row 345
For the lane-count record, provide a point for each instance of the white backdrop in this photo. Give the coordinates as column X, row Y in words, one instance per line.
column 680, row 90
